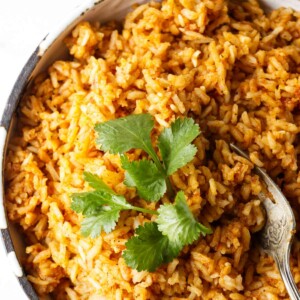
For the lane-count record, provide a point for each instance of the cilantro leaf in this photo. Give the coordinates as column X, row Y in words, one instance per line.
column 178, row 223
column 101, row 211
column 88, row 202
column 105, row 220
column 144, row 175
column 175, row 144
column 149, row 249
column 101, row 208
column 123, row 134
column 97, row 183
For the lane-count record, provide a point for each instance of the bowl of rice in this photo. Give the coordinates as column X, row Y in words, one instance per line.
column 230, row 67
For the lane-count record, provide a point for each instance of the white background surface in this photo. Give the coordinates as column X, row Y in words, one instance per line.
column 23, row 24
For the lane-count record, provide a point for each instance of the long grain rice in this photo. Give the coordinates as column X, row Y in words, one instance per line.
column 228, row 65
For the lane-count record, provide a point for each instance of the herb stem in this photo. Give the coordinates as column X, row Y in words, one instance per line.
column 156, row 160
column 144, row 210
column 170, row 190
column 160, row 167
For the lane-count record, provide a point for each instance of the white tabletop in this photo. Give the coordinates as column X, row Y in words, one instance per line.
column 23, row 24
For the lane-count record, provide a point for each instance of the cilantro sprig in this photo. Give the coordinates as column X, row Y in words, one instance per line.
column 156, row 242
column 133, row 132
column 101, row 207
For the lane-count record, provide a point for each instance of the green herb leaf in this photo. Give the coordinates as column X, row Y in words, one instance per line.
column 144, row 175
column 88, row 203
column 121, row 135
column 149, row 249
column 105, row 220
column 158, row 242
column 101, row 208
column 97, row 183
column 175, row 144
column 178, row 223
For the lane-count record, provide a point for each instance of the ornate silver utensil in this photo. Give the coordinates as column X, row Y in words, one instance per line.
column 277, row 235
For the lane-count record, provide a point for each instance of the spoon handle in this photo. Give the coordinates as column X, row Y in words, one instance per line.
column 283, row 263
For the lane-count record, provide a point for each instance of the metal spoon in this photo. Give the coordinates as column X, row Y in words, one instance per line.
column 277, row 235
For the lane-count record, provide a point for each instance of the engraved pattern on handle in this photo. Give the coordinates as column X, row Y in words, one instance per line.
column 273, row 234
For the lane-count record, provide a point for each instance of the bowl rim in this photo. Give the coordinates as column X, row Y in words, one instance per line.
column 12, row 102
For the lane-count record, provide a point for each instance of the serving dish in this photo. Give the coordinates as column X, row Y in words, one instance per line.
column 48, row 51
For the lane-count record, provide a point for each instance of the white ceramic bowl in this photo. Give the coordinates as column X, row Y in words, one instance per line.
column 49, row 50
